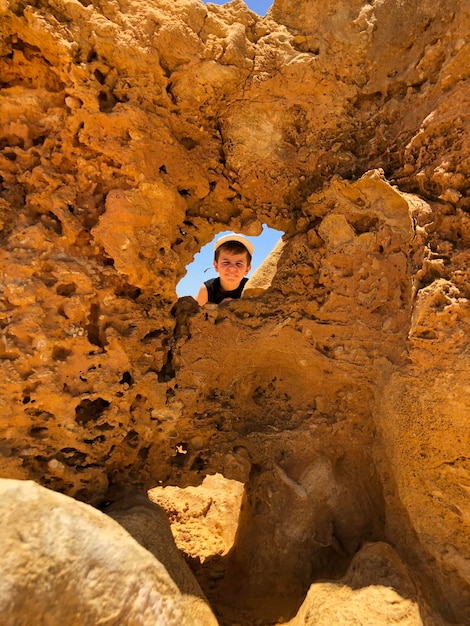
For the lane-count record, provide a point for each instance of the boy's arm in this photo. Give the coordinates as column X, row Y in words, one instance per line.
column 202, row 296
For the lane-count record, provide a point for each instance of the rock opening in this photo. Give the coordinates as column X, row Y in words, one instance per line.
column 201, row 267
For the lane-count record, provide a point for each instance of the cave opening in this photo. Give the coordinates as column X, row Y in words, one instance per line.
column 201, row 268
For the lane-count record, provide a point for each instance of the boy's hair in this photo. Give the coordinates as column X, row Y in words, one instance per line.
column 232, row 246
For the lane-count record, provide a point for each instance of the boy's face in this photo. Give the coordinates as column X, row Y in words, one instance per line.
column 231, row 268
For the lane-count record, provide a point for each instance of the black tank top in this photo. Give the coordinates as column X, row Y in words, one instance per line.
column 216, row 294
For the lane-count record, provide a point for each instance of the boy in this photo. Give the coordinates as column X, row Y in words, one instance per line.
column 232, row 261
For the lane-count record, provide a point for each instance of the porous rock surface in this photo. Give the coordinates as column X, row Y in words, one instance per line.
column 133, row 132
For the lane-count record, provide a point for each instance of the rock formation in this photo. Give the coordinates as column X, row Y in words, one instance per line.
column 68, row 563
column 133, row 132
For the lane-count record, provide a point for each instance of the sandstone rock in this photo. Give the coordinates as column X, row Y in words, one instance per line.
column 131, row 134
column 203, row 519
column 300, row 528
column 148, row 524
column 64, row 562
column 263, row 276
column 376, row 589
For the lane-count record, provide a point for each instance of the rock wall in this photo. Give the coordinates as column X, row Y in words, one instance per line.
column 131, row 133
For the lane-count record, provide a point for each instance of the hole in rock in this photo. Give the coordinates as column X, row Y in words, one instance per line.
column 106, row 101
column 258, row 6
column 94, row 329
column 38, row 431
column 202, row 269
column 126, row 379
column 132, row 439
column 90, row 410
column 66, row 289
column 100, row 77
column 71, row 457
column 59, row 353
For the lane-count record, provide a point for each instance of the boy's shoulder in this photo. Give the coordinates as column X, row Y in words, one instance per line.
column 212, row 281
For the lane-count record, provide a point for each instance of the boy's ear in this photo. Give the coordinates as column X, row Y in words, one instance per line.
column 214, row 263
column 248, row 269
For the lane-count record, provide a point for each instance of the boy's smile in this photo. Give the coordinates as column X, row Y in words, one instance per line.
column 231, row 267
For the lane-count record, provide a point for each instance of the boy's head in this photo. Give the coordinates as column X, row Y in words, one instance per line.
column 232, row 260
column 235, row 244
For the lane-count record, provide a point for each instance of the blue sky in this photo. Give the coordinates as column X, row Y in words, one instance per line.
column 196, row 274
column 258, row 6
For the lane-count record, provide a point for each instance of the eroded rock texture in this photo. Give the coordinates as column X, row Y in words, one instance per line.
column 131, row 133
